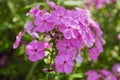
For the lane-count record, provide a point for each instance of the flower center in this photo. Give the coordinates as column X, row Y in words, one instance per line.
column 65, row 62
column 35, row 50
column 44, row 21
column 61, row 16
column 67, row 47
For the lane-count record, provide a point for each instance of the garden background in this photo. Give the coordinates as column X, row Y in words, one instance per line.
column 14, row 64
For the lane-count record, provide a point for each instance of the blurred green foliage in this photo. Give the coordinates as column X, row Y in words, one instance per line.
column 14, row 64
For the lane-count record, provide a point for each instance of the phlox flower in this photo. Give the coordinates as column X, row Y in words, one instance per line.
column 68, row 31
column 35, row 11
column 93, row 53
column 92, row 75
column 116, row 68
column 18, row 39
column 100, row 74
column 51, row 4
column 43, row 23
column 30, row 29
column 64, row 63
column 108, row 74
column 64, row 46
column 35, row 50
column 77, row 42
column 98, row 3
column 60, row 16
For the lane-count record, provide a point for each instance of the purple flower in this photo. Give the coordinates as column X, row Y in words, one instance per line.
column 35, row 11
column 95, row 27
column 35, row 51
column 116, row 68
column 98, row 45
column 92, row 75
column 51, row 4
column 93, row 53
column 30, row 29
column 80, row 16
column 78, row 59
column 43, row 23
column 98, row 3
column 64, row 46
column 60, row 16
column 68, row 31
column 86, row 35
column 64, row 63
column 18, row 39
column 78, row 42
column 108, row 74
column 101, row 74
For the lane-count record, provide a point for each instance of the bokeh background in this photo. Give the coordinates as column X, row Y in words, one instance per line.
column 14, row 64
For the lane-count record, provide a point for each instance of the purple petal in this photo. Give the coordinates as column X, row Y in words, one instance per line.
column 59, row 68
column 40, row 55
column 33, row 58
column 16, row 44
column 67, row 69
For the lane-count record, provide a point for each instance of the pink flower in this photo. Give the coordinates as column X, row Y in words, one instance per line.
column 64, row 46
column 87, row 3
column 35, row 51
column 89, row 40
column 51, row 4
column 78, row 59
column 108, row 74
column 18, row 39
column 86, row 35
column 98, row 3
column 92, row 75
column 68, row 31
column 30, row 29
column 64, row 63
column 78, row 42
column 35, row 11
column 43, row 23
column 101, row 74
column 82, row 18
column 95, row 28
column 116, row 68
column 98, row 45
column 93, row 53
column 60, row 16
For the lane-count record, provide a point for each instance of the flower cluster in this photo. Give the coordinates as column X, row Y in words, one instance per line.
column 98, row 3
column 104, row 74
column 66, row 33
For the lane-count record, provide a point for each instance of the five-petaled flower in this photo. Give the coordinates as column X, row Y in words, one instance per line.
column 64, row 63
column 35, row 51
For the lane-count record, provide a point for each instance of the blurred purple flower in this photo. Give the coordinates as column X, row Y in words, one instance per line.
column 93, row 54
column 35, row 11
column 18, row 39
column 51, row 4
column 92, row 75
column 98, row 3
column 108, row 75
column 116, row 68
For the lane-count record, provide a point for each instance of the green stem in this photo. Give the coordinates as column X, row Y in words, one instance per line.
column 31, row 71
